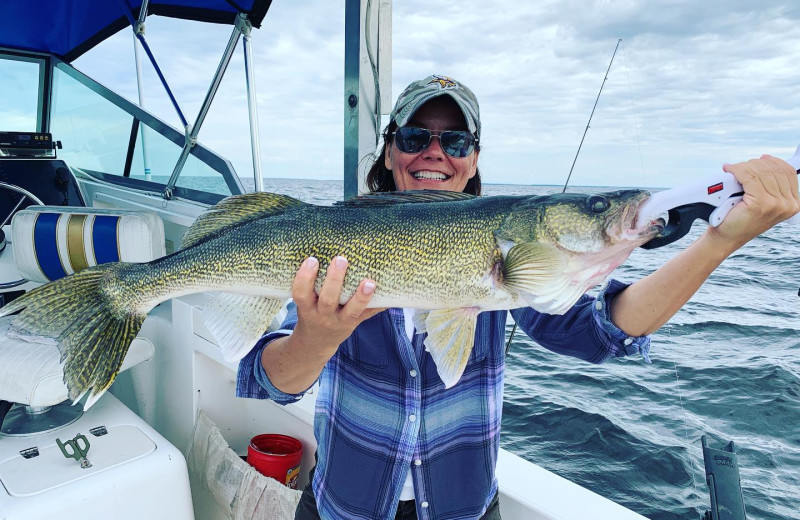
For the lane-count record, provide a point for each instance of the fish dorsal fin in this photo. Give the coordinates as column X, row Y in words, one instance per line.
column 405, row 197
column 235, row 210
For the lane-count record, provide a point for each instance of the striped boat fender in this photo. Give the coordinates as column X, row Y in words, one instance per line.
column 50, row 243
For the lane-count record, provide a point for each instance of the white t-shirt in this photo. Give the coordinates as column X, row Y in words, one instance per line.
column 408, row 486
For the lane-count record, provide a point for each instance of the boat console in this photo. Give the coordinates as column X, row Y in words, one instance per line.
column 28, row 160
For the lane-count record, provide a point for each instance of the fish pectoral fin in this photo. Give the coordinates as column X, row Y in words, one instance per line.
column 237, row 321
column 558, row 301
column 540, row 274
column 451, row 334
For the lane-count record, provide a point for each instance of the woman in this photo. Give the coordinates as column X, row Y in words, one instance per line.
column 392, row 442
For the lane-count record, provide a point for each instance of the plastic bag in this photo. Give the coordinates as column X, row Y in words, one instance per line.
column 241, row 491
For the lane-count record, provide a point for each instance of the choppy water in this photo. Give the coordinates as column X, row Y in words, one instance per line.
column 726, row 365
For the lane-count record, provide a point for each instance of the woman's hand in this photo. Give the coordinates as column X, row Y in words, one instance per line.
column 770, row 196
column 294, row 362
column 320, row 318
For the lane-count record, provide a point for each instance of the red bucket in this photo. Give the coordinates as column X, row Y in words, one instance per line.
column 276, row 456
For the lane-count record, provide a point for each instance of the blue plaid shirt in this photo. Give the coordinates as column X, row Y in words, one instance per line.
column 382, row 408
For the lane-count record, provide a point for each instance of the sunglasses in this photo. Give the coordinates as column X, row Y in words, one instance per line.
column 455, row 143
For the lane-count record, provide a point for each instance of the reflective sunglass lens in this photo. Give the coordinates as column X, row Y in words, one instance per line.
column 412, row 140
column 455, row 143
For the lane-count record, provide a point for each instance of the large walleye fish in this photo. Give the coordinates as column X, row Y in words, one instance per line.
column 450, row 254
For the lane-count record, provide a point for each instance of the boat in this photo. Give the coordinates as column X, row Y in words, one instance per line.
column 167, row 441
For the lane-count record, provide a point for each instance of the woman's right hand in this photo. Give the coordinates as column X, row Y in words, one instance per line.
column 293, row 363
column 321, row 320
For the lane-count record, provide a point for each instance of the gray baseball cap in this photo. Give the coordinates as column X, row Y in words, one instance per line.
column 420, row 92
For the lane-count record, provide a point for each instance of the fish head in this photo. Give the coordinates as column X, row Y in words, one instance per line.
column 591, row 224
column 579, row 223
column 556, row 247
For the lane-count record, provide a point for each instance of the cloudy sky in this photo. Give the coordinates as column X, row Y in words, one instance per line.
column 694, row 84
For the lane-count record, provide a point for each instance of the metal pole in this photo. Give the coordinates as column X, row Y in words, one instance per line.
column 352, row 58
column 191, row 136
column 590, row 116
column 142, row 14
column 142, row 128
column 252, row 107
column 137, row 25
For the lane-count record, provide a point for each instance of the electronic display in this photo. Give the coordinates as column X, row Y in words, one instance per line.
column 37, row 140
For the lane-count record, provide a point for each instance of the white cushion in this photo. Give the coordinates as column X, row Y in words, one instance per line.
column 51, row 241
column 31, row 374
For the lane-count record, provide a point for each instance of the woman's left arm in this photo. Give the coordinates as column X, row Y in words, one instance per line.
column 770, row 196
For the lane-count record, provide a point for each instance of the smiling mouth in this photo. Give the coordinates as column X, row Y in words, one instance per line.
column 429, row 176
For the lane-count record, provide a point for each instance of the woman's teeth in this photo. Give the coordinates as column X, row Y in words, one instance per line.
column 434, row 176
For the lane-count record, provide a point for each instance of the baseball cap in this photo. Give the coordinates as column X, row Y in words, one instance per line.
column 420, row 92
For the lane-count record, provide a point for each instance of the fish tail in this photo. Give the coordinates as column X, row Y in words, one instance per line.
column 86, row 313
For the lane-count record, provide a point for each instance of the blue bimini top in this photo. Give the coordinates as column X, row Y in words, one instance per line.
column 69, row 28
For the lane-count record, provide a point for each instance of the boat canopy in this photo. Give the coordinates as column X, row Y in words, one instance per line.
column 69, row 28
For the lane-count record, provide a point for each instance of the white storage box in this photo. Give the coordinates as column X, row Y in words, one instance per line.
column 135, row 473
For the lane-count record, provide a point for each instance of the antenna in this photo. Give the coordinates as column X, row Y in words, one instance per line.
column 590, row 116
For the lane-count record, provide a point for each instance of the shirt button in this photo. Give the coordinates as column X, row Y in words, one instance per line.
column 424, row 504
column 628, row 341
column 413, row 373
column 418, row 462
column 598, row 305
column 412, row 417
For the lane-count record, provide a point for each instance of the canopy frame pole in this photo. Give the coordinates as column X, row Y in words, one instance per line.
column 140, row 88
column 252, row 106
column 139, row 25
column 191, row 135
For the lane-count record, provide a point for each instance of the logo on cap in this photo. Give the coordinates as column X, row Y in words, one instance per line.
column 444, row 82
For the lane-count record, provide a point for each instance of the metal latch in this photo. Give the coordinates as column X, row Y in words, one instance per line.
column 99, row 431
column 77, row 449
column 30, row 453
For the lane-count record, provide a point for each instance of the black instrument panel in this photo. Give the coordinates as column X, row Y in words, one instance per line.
column 26, row 140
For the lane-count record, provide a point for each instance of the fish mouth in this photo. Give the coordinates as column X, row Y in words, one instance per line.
column 632, row 229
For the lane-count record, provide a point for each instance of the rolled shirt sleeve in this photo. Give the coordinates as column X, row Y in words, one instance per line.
column 252, row 380
column 585, row 331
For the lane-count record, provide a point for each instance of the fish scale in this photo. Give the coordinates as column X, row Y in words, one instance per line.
column 450, row 255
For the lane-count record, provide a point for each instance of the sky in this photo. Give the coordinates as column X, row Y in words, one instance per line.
column 693, row 84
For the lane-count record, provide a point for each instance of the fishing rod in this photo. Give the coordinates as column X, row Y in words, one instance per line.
column 590, row 116
column 575, row 160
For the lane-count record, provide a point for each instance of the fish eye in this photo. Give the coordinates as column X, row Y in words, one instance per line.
column 598, row 204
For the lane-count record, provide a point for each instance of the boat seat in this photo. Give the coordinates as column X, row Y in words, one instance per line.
column 50, row 242
column 31, row 372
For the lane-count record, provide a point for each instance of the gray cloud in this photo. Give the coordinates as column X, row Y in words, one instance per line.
column 694, row 84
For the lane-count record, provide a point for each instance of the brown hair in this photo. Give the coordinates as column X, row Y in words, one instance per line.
column 380, row 178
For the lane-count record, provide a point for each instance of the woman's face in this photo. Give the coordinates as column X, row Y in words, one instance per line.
column 432, row 169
